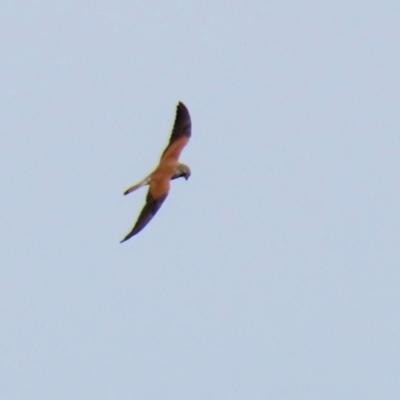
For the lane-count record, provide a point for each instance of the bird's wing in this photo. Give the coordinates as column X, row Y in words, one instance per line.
column 159, row 183
column 181, row 133
column 148, row 212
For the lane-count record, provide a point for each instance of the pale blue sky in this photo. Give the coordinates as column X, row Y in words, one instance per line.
column 272, row 273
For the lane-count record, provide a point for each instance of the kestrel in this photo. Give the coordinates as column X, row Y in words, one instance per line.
column 169, row 168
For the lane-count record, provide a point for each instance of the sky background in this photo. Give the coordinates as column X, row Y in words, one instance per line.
column 273, row 272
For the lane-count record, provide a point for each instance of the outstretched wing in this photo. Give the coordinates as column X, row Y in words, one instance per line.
column 149, row 211
column 159, row 182
column 181, row 133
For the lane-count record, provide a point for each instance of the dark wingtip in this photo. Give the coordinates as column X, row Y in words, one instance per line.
column 130, row 235
column 181, row 105
column 127, row 237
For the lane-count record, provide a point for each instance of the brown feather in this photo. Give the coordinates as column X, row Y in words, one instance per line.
column 182, row 128
column 148, row 212
column 165, row 171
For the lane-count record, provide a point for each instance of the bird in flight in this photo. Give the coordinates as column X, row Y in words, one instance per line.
column 169, row 168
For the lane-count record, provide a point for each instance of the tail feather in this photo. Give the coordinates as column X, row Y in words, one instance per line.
column 144, row 182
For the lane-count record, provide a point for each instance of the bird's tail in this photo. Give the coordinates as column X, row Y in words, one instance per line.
column 144, row 182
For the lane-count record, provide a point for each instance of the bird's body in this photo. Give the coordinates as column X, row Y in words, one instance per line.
column 169, row 168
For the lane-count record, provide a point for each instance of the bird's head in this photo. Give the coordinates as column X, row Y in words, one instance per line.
column 181, row 171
